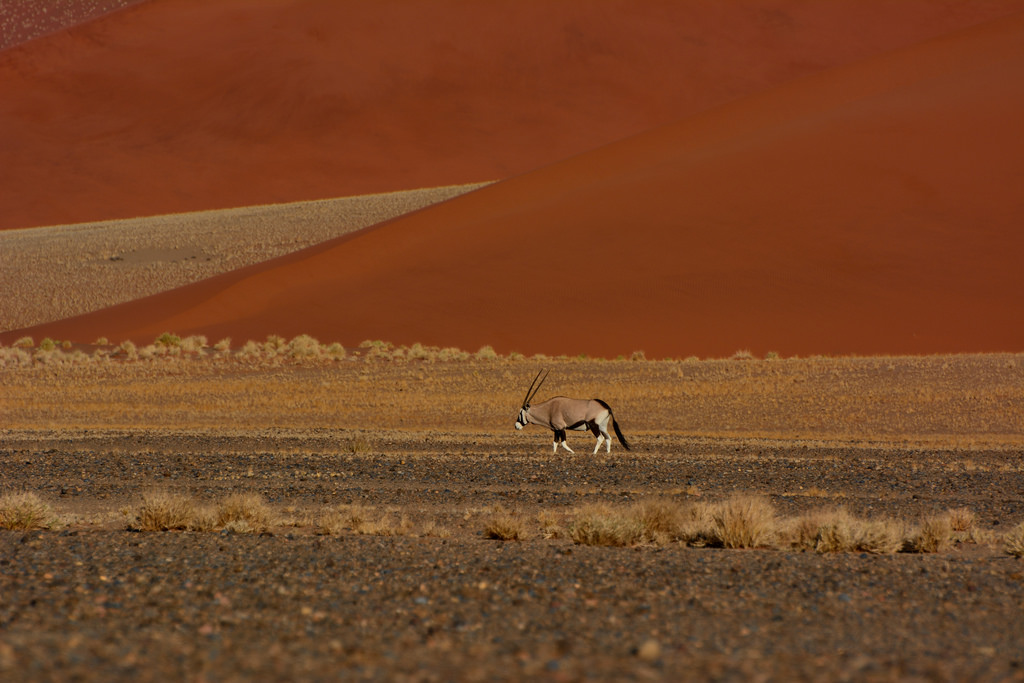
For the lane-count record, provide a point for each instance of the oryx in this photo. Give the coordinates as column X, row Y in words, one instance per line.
column 578, row 414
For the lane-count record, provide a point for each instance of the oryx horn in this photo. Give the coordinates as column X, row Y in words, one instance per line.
column 529, row 396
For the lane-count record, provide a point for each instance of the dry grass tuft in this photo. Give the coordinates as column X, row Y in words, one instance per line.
column 305, row 347
column 1013, row 541
column 550, row 525
column 836, row 531
column 744, row 521
column 244, row 513
column 603, row 525
column 163, row 511
column 25, row 511
column 933, row 535
column 329, row 522
column 661, row 520
column 505, row 525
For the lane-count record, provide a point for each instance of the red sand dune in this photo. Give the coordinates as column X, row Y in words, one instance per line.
column 182, row 105
column 874, row 208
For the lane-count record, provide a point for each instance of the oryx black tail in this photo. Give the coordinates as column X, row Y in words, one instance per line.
column 615, row 425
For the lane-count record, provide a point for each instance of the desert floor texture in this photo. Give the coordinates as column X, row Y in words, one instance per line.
column 384, row 471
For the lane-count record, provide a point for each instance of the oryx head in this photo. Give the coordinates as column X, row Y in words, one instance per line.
column 522, row 421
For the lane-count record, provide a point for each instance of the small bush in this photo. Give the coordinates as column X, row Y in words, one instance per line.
column 304, row 346
column 1013, row 541
column 251, row 351
column 661, row 520
column 932, row 536
column 503, row 525
column 486, row 353
column 47, row 345
column 128, row 348
column 837, row 531
column 336, row 351
column 162, row 511
column 25, row 511
column 224, row 345
column 244, row 513
column 744, row 522
column 600, row 525
column 743, row 354
column 194, row 344
column 167, row 340
column 329, row 522
column 275, row 344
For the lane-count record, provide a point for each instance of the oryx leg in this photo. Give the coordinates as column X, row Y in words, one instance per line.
column 596, row 430
column 601, row 426
column 560, row 439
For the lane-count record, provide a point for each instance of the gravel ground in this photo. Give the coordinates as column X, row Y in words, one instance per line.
column 433, row 598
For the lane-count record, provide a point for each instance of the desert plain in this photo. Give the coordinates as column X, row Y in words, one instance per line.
column 403, row 530
column 276, row 277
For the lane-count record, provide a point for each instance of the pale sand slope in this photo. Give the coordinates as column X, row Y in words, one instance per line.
column 59, row 271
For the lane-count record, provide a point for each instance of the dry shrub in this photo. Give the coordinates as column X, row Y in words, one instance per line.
column 244, row 513
column 1013, row 541
column 194, row 344
column 504, row 525
column 224, row 345
column 25, row 511
column 434, row 530
column 661, row 520
column 601, row 525
column 486, row 353
column 961, row 519
column 744, row 521
column 329, row 522
column 129, row 349
column 336, row 351
column 452, row 353
column 204, row 518
column 933, row 535
column 386, row 526
column 550, row 525
column 167, row 340
column 163, row 511
column 837, row 531
column 304, row 347
column 15, row 356
column 251, row 350
column 275, row 344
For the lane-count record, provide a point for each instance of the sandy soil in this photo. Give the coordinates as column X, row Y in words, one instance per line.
column 57, row 272
column 430, row 445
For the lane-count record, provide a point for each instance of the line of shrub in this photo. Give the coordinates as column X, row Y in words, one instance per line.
column 303, row 348
column 742, row 521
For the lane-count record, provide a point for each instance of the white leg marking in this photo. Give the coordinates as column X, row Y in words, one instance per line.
column 556, row 448
column 566, row 447
column 600, row 438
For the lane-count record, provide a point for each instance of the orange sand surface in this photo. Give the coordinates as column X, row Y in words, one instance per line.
column 184, row 105
column 870, row 208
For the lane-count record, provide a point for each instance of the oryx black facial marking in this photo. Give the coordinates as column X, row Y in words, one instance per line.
column 577, row 414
